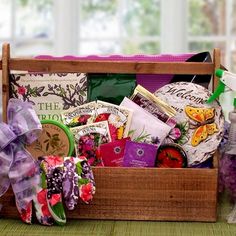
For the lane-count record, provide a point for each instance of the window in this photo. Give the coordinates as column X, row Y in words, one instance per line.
column 115, row 26
column 212, row 24
column 80, row 27
column 28, row 25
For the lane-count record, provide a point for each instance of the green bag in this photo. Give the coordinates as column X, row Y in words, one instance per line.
column 110, row 87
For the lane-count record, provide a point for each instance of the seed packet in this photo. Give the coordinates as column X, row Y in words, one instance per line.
column 87, row 140
column 153, row 104
column 118, row 117
column 144, row 126
column 139, row 154
column 81, row 115
column 110, row 87
column 113, row 153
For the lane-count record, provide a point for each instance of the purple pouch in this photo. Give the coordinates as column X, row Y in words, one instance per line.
column 139, row 154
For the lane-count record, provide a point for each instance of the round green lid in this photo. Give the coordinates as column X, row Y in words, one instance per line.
column 55, row 138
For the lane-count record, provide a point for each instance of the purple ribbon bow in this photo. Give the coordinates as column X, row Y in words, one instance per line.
column 17, row 166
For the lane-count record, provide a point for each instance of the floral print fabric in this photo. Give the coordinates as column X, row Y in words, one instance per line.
column 68, row 178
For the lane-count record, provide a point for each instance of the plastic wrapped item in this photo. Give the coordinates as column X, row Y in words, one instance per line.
column 228, row 164
column 110, row 87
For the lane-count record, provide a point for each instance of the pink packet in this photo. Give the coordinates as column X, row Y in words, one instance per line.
column 88, row 138
column 112, row 154
column 139, row 154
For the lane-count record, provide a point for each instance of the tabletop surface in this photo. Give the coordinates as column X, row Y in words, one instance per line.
column 123, row 228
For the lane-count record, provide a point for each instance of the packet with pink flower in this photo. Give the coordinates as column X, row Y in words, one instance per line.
column 139, row 154
column 81, row 115
column 118, row 117
column 113, row 153
column 88, row 138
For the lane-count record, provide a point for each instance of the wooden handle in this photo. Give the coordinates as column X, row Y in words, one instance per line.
column 216, row 62
column 5, row 79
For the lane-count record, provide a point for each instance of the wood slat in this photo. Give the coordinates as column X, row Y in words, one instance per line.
column 216, row 61
column 39, row 65
column 5, row 79
column 145, row 194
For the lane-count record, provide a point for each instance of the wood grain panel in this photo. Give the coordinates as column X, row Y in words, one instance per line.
column 145, row 194
column 44, row 65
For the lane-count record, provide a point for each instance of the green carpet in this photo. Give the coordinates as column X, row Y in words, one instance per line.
column 125, row 228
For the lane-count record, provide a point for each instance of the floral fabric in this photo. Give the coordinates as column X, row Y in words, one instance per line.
column 70, row 183
column 52, row 167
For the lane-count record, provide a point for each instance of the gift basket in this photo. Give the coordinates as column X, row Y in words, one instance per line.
column 153, row 153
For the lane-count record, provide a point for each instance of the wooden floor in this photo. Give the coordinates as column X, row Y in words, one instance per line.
column 123, row 228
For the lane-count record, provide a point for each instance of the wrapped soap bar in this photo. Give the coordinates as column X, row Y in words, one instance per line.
column 153, row 104
column 81, row 115
column 113, row 153
column 118, row 117
column 88, row 138
column 139, row 154
column 144, row 126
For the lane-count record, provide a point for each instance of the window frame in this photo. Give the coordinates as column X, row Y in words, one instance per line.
column 174, row 14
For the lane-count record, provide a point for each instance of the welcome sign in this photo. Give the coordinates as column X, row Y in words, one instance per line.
column 200, row 124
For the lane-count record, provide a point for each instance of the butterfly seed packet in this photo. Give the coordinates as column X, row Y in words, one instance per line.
column 88, row 138
column 200, row 125
column 118, row 117
column 81, row 115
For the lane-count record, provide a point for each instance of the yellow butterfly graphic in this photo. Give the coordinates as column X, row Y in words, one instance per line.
column 204, row 123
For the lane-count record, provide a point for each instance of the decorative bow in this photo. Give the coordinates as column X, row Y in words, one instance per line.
column 17, row 166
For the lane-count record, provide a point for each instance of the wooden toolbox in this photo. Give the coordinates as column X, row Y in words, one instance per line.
column 131, row 193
